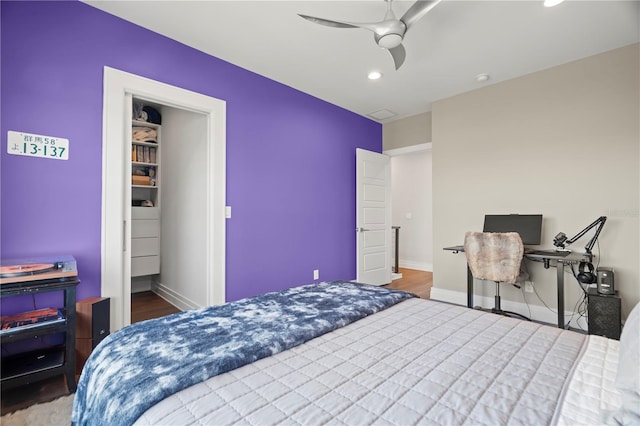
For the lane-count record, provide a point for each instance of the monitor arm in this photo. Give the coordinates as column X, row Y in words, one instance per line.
column 561, row 240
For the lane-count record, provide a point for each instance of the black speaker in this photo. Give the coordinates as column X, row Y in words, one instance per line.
column 604, row 314
column 92, row 326
column 605, row 281
column 93, row 319
column 586, row 277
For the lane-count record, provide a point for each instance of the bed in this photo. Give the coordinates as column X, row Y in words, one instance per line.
column 351, row 354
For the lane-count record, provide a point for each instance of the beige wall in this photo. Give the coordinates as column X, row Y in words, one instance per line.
column 563, row 142
column 414, row 130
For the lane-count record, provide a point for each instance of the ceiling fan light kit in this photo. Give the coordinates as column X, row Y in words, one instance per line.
column 390, row 41
column 388, row 33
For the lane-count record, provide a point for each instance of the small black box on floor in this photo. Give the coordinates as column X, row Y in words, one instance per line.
column 604, row 313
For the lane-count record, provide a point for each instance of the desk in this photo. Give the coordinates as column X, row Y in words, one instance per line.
column 544, row 256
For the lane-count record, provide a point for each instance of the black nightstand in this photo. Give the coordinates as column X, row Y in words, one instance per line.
column 37, row 365
column 604, row 311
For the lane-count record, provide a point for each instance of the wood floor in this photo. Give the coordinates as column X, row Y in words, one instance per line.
column 147, row 305
column 413, row 281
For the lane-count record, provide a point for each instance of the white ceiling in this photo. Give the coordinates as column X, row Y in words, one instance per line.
column 446, row 49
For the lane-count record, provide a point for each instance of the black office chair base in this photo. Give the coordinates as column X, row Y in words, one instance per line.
column 497, row 309
column 509, row 314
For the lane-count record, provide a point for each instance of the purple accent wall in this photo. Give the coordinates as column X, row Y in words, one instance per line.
column 290, row 156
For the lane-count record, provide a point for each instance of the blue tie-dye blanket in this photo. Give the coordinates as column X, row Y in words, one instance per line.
column 140, row 365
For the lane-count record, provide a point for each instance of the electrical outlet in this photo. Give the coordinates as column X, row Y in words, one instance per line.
column 528, row 287
column 316, row 274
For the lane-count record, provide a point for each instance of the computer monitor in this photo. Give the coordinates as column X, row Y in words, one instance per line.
column 529, row 226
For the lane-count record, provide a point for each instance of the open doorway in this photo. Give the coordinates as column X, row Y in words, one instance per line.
column 168, row 183
column 120, row 88
column 411, row 194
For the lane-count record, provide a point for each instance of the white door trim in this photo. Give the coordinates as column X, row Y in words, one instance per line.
column 409, row 149
column 116, row 213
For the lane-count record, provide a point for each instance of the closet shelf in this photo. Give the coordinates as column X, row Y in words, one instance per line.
column 154, row 144
column 139, row 123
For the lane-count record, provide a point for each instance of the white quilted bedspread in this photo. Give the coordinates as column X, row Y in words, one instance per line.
column 591, row 394
column 418, row 362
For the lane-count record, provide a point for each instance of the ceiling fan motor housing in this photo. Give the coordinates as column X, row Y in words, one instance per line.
column 389, row 33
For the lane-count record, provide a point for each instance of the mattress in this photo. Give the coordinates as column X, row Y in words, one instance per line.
column 142, row 364
column 591, row 392
column 417, row 362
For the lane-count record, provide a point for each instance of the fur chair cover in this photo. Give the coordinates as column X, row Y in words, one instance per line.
column 494, row 256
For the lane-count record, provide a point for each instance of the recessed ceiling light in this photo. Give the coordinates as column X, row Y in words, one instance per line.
column 481, row 78
column 374, row 75
column 551, row 3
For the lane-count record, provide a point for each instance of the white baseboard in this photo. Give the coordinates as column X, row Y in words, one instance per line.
column 419, row 266
column 449, row 296
column 179, row 301
column 535, row 312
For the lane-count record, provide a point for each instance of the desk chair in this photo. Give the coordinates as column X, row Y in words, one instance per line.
column 495, row 256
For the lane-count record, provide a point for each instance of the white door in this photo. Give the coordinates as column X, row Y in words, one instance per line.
column 373, row 217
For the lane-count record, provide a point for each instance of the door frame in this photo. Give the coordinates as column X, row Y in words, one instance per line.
column 115, row 271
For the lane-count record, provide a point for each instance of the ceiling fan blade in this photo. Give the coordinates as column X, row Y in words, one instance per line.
column 374, row 26
column 328, row 23
column 417, row 11
column 398, row 54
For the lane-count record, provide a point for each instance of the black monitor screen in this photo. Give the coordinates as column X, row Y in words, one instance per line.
column 529, row 226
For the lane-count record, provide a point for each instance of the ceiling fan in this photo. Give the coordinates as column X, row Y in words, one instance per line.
column 389, row 32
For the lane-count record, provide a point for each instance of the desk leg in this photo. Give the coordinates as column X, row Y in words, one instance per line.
column 560, row 271
column 469, row 288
